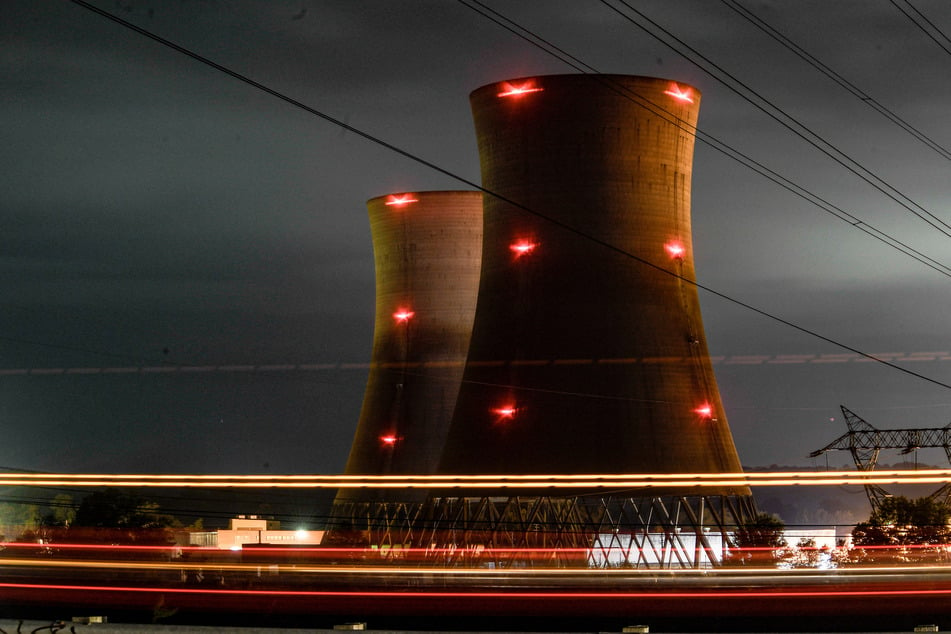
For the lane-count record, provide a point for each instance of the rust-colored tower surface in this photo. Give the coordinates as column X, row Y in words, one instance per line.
column 585, row 359
column 427, row 249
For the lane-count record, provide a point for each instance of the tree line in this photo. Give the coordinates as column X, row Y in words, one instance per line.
column 900, row 530
column 110, row 516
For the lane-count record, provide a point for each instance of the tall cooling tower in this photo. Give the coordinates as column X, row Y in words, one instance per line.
column 427, row 249
column 588, row 352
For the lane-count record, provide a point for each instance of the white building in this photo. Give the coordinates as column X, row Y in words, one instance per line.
column 251, row 529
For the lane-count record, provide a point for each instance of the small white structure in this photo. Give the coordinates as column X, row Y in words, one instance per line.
column 251, row 529
column 823, row 537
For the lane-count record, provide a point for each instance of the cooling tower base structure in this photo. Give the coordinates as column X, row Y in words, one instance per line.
column 377, row 525
column 661, row 532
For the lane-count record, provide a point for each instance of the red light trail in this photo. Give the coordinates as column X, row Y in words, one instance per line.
column 564, row 481
column 484, row 552
column 289, row 562
column 714, row 594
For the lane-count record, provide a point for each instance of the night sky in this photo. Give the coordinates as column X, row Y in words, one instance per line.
column 186, row 272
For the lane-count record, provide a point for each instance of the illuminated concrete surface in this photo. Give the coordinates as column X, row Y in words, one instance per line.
column 543, row 391
column 427, row 250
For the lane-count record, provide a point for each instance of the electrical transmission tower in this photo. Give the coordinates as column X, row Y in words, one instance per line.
column 865, row 442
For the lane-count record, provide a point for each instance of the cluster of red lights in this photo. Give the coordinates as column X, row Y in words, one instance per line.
column 524, row 247
column 516, row 90
column 509, row 411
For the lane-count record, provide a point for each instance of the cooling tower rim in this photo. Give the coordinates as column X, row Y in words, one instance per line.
column 422, row 192
column 581, row 77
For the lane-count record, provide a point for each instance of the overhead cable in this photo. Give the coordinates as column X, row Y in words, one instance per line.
column 935, row 34
column 776, row 113
column 461, row 179
column 867, row 99
column 711, row 141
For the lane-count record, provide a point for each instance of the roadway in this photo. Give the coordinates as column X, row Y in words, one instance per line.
column 881, row 595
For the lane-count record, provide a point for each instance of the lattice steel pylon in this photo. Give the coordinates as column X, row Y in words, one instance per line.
column 865, row 442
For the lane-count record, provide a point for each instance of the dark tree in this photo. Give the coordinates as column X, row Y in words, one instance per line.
column 117, row 517
column 758, row 542
column 61, row 511
column 904, row 530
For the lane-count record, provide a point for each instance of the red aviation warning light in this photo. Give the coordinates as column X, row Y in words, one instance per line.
column 522, row 247
column 705, row 411
column 512, row 90
column 400, row 200
column 505, row 412
column 402, row 315
column 677, row 92
column 675, row 250
column 388, row 440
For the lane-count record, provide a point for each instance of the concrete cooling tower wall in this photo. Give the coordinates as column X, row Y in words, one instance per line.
column 427, row 250
column 588, row 353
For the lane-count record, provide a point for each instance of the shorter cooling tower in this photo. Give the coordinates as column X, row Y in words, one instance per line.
column 427, row 249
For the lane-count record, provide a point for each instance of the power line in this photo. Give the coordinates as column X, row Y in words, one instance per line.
column 780, row 116
column 761, row 24
column 581, row 66
column 917, row 357
column 935, row 37
column 837, row 212
column 532, row 38
column 553, row 221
